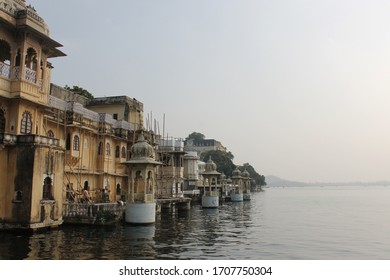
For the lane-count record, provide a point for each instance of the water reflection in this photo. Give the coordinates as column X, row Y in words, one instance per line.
column 195, row 234
column 14, row 246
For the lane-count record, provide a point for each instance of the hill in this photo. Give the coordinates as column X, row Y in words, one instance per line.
column 274, row 181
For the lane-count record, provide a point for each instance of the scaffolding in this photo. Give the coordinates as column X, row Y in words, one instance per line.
column 74, row 118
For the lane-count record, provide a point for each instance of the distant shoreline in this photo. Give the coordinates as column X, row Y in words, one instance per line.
column 273, row 181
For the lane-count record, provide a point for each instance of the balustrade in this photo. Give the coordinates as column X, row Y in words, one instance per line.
column 17, row 72
column 90, row 210
column 5, row 70
column 30, row 75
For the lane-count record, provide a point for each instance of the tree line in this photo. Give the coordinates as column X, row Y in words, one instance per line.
column 224, row 161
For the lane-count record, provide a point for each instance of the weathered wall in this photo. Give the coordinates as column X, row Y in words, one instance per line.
column 67, row 95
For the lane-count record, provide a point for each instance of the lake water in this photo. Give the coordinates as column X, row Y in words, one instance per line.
column 316, row 223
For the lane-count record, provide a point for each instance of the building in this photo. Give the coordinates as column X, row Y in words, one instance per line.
column 170, row 175
column 31, row 161
column 56, row 148
column 191, row 172
column 203, row 145
column 121, row 108
column 96, row 148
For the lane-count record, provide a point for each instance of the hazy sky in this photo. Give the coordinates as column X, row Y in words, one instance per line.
column 299, row 89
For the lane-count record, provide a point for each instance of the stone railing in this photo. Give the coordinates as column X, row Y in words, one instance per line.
column 6, row 138
column 140, row 197
column 30, row 75
column 211, row 193
column 5, row 70
column 89, row 210
column 16, row 72
column 99, row 213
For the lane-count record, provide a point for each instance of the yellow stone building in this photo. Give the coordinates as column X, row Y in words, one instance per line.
column 31, row 162
column 55, row 147
column 96, row 145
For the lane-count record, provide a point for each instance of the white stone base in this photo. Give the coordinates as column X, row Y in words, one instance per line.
column 210, row 201
column 140, row 213
column 236, row 197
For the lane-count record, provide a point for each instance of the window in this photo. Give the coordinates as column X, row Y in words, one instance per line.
column 76, row 143
column 2, row 121
column 31, row 66
column 115, row 116
column 31, row 59
column 123, row 152
column 100, row 148
column 50, row 134
column 47, row 189
column 108, row 149
column 118, row 189
column 18, row 196
column 5, row 59
column 26, row 123
column 117, row 151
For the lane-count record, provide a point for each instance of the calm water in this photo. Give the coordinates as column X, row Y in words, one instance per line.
column 280, row 223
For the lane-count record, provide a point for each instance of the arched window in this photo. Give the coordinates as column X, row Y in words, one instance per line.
column 47, row 188
column 2, row 120
column 18, row 195
column 118, row 189
column 117, row 151
column 123, row 152
column 76, row 143
column 108, row 149
column 26, row 123
column 100, row 148
column 86, row 185
column 5, row 59
column 50, row 134
column 30, row 74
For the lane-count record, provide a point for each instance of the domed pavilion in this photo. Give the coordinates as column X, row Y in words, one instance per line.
column 141, row 204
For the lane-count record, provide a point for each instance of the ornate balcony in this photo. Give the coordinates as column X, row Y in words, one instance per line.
column 5, row 70
column 12, row 139
column 30, row 75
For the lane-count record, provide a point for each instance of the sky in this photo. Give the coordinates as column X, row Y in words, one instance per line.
column 298, row 89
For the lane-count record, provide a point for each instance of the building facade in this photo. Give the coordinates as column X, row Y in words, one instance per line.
column 203, row 145
column 170, row 175
column 56, row 147
column 31, row 162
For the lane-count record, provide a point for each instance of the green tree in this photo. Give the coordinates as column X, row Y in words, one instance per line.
column 259, row 179
column 196, row 136
column 80, row 91
column 223, row 160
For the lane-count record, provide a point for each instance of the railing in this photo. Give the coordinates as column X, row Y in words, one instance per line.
column 38, row 139
column 6, row 138
column 211, row 193
column 140, row 197
column 5, row 70
column 17, row 72
column 149, row 198
column 30, row 75
column 91, row 212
